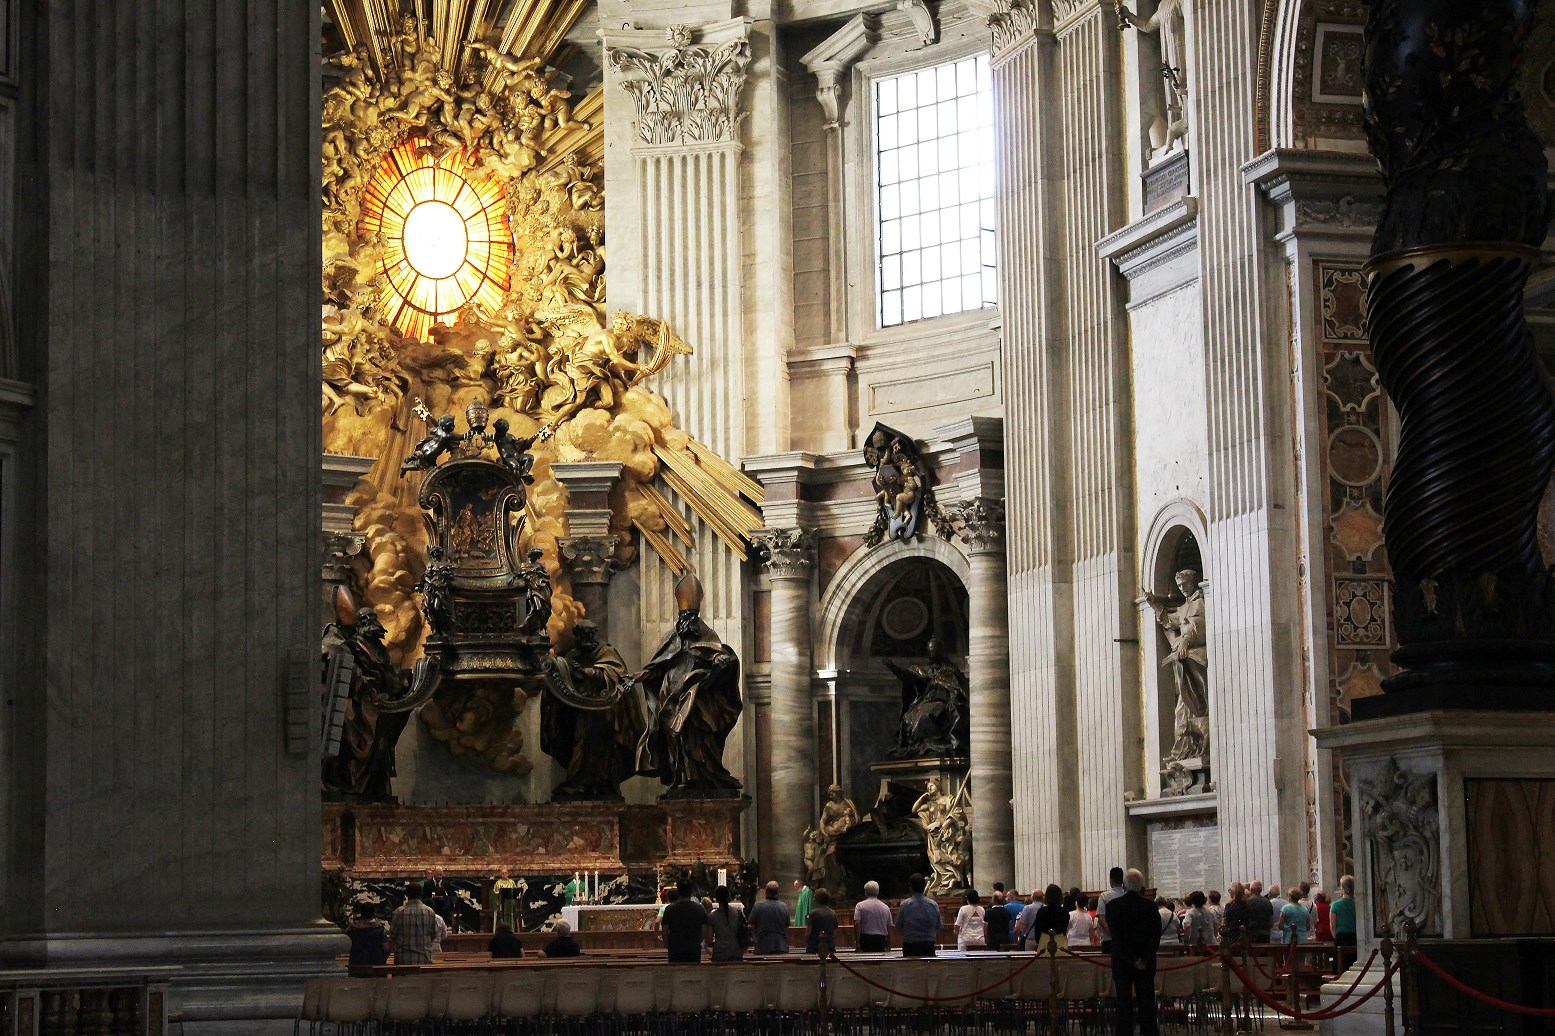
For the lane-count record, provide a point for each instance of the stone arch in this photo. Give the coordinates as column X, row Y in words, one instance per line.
column 859, row 570
column 886, row 602
column 1278, row 58
column 1168, row 529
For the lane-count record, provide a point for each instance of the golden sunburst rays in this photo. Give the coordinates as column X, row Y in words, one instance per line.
column 446, row 239
column 717, row 492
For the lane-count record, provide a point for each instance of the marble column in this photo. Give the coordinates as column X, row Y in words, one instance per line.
column 588, row 549
column 789, row 556
column 590, row 560
column 341, row 540
column 979, row 524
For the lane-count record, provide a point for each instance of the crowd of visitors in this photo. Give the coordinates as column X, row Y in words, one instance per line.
column 1121, row 921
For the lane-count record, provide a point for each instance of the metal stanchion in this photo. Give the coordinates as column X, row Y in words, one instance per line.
column 1409, row 981
column 1293, row 989
column 1386, row 949
column 1052, row 965
column 1227, row 1001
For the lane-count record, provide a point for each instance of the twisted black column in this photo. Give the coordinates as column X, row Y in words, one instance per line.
column 1467, row 204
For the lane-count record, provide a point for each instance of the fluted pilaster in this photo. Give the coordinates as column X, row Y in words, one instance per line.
column 172, row 620
column 1030, row 162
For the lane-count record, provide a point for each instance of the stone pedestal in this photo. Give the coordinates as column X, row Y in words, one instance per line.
column 705, row 831
column 1453, row 810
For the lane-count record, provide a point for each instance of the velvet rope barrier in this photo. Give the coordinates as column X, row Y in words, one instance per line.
column 1322, row 1014
column 1200, row 962
column 931, row 999
column 1484, row 998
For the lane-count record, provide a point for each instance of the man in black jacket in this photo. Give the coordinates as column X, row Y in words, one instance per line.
column 1135, row 925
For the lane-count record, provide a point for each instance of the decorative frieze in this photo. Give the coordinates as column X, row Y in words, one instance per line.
column 687, row 93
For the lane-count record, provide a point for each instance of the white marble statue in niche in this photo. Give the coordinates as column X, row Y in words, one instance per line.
column 1169, row 130
column 1181, row 618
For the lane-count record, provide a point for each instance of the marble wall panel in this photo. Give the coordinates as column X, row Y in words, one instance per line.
column 1171, row 449
column 1511, row 840
column 1355, row 429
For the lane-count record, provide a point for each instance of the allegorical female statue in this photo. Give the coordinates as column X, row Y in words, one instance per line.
column 934, row 707
column 1181, row 616
column 692, row 686
column 591, row 718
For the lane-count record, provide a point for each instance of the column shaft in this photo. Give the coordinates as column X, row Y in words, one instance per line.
column 988, row 671
column 793, row 726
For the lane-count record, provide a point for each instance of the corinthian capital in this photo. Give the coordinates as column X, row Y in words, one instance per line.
column 590, row 559
column 979, row 523
column 685, row 92
column 787, row 553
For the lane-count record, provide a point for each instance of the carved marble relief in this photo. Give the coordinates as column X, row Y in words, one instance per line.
column 1355, row 461
column 1403, row 832
column 686, row 93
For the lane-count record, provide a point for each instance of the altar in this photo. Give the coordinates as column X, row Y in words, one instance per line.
column 612, row 917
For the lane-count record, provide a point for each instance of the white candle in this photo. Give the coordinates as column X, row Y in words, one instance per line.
column 596, row 885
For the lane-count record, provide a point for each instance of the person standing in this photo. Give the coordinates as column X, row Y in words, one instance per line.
column 996, row 919
column 369, row 942
column 1083, row 932
column 1259, row 916
column 1341, row 918
column 1171, row 929
column 1048, row 919
column 1115, row 878
column 971, row 927
column 1216, row 912
column 727, row 921
column 412, row 929
column 803, row 898
column 823, row 926
column 1295, row 922
column 683, row 926
column 1134, row 926
column 770, row 920
column 1233, row 919
column 1322, row 918
column 918, row 918
column 1198, row 924
column 872, row 921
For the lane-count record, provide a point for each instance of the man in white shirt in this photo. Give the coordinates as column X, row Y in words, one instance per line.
column 872, row 921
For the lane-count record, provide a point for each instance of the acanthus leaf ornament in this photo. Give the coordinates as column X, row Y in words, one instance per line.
column 688, row 93
column 978, row 522
column 787, row 553
column 1010, row 21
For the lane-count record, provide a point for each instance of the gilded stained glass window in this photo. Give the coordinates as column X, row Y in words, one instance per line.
column 446, row 237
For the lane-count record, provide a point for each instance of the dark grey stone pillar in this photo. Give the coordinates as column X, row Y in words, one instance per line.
column 165, row 804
